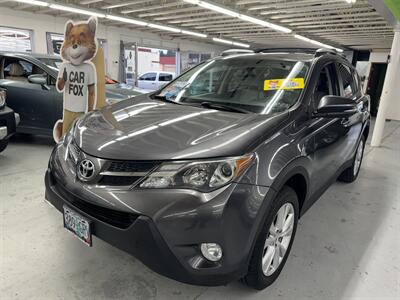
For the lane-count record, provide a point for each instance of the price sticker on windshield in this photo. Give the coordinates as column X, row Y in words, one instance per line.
column 283, row 84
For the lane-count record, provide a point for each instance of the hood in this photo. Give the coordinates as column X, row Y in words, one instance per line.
column 124, row 89
column 146, row 129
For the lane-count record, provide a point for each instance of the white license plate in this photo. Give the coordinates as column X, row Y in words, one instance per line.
column 78, row 225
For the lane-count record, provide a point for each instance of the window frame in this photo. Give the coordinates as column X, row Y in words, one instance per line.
column 353, row 84
column 333, row 78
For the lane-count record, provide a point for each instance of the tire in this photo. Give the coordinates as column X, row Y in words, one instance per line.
column 256, row 277
column 3, row 145
column 351, row 173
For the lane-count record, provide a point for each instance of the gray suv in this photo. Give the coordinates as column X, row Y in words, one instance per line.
column 204, row 180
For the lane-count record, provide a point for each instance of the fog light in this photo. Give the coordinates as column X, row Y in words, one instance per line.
column 211, row 251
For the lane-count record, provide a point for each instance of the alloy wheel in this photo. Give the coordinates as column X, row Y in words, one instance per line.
column 278, row 239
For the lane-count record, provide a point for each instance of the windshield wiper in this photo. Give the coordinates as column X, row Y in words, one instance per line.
column 224, row 107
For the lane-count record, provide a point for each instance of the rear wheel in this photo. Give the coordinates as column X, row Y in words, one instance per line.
column 3, row 145
column 274, row 241
column 351, row 173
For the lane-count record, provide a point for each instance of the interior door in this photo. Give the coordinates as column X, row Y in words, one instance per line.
column 32, row 101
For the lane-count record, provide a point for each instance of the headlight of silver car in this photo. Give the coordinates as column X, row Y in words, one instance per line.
column 204, row 176
column 2, row 99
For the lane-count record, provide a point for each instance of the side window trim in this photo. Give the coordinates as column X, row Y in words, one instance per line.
column 356, row 89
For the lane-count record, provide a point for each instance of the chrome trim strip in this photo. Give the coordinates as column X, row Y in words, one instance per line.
column 133, row 174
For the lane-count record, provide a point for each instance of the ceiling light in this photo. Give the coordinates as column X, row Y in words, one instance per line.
column 77, row 10
column 218, row 9
column 126, row 20
column 33, row 2
column 305, row 39
column 161, row 27
column 264, row 23
column 222, row 41
column 194, row 33
column 241, row 45
column 234, row 14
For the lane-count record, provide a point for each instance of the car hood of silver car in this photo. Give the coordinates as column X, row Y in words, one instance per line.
column 147, row 129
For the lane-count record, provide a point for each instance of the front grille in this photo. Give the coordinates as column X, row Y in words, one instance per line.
column 113, row 217
column 125, row 173
column 119, row 180
column 130, row 166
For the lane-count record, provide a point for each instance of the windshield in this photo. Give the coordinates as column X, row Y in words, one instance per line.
column 255, row 84
column 51, row 62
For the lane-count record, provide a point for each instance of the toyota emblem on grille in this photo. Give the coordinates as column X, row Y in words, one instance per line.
column 86, row 170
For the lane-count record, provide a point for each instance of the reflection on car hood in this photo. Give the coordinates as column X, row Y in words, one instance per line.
column 124, row 89
column 146, row 129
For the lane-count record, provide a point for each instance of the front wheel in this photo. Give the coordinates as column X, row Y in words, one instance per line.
column 351, row 173
column 274, row 241
column 3, row 145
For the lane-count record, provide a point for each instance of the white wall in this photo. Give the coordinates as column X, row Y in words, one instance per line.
column 40, row 24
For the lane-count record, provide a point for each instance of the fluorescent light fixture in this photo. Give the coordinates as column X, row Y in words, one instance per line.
column 126, row 20
column 264, row 23
column 194, row 33
column 222, row 41
column 77, row 10
column 305, row 39
column 241, row 45
column 234, row 14
column 161, row 27
column 218, row 9
column 33, row 2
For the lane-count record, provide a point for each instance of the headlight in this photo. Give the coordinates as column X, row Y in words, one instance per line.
column 204, row 176
column 2, row 99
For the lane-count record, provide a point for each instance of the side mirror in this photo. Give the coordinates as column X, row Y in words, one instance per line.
column 336, row 107
column 37, row 79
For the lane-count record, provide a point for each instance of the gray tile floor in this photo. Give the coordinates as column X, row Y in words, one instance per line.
column 347, row 245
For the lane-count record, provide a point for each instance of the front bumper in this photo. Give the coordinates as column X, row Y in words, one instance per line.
column 7, row 123
column 163, row 229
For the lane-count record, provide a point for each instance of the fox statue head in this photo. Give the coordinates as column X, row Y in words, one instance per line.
column 80, row 42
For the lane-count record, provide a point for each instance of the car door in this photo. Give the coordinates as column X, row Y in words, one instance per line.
column 33, row 101
column 350, row 87
column 329, row 133
column 148, row 81
column 163, row 79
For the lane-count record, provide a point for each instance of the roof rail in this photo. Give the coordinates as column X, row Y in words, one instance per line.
column 323, row 51
column 236, row 51
column 273, row 50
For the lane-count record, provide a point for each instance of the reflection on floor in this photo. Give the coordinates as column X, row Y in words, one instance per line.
column 347, row 245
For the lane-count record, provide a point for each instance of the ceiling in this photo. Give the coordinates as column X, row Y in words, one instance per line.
column 334, row 22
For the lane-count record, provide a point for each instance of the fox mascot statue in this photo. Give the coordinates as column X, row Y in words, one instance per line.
column 77, row 74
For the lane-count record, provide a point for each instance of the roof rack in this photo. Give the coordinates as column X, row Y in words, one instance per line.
column 236, row 51
column 316, row 52
column 273, row 50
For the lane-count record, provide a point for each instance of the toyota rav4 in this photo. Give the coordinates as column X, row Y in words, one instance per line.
column 204, row 180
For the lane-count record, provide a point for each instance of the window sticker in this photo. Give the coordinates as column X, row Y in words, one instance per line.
column 283, row 84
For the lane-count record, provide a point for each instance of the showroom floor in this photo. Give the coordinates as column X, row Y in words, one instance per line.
column 347, row 245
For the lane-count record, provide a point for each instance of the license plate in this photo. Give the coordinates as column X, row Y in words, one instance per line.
column 78, row 225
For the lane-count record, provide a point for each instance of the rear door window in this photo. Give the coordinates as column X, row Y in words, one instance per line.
column 165, row 77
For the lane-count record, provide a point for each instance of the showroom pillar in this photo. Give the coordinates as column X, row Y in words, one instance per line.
column 390, row 91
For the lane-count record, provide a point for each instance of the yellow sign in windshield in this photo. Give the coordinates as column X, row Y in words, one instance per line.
column 284, row 84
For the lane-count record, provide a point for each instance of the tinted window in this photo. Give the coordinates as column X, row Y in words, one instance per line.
column 165, row 77
column 327, row 84
column 347, row 81
column 256, row 84
column 148, row 77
